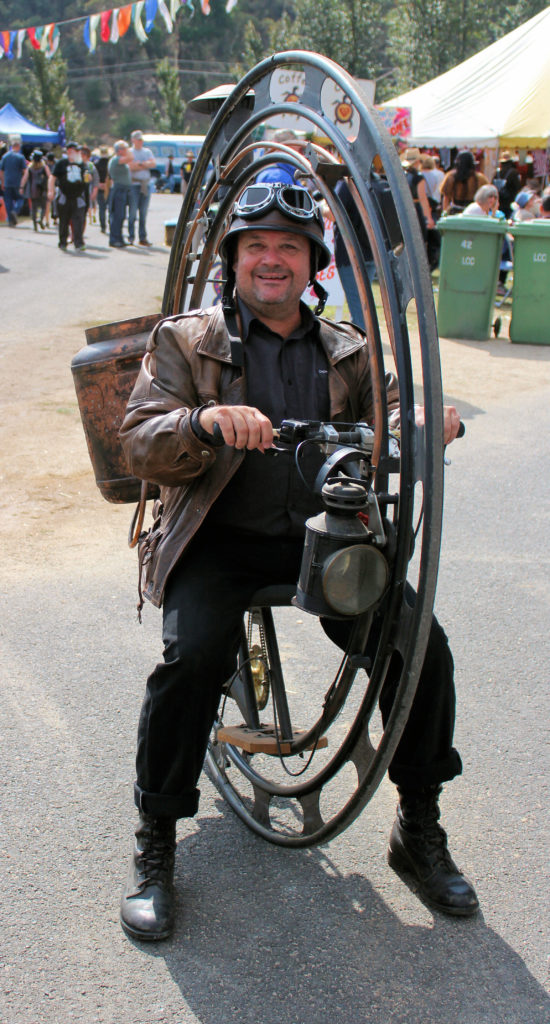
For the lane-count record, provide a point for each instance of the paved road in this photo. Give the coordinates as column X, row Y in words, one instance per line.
column 327, row 935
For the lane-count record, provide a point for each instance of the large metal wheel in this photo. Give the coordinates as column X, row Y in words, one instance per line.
column 311, row 807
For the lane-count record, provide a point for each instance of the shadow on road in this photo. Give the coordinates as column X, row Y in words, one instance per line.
column 325, row 947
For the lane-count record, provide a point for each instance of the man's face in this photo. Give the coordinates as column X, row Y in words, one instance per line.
column 72, row 154
column 272, row 269
column 137, row 143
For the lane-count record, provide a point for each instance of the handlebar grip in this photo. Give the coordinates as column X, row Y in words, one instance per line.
column 461, row 429
column 217, row 434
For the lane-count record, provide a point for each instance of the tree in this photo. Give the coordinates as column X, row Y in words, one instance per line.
column 170, row 117
column 351, row 32
column 428, row 37
column 46, row 95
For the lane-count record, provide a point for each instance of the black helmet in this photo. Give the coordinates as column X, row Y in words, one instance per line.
column 37, row 154
column 278, row 207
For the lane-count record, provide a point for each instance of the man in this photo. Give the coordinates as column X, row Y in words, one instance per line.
column 69, row 174
column 91, row 178
column 12, row 168
column 186, row 170
column 141, row 160
column 102, row 168
column 119, row 173
column 233, row 521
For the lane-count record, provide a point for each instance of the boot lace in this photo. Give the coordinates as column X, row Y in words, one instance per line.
column 155, row 854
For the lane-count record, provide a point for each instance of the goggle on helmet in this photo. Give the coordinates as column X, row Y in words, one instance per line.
column 278, row 207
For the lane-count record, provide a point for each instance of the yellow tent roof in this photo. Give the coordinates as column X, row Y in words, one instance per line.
column 498, row 97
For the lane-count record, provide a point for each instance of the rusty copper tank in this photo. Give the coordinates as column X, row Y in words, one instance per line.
column 104, row 373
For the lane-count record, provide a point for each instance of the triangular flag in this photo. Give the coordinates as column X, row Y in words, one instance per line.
column 165, row 13
column 35, row 43
column 54, row 42
column 90, row 31
column 124, row 19
column 174, row 7
column 151, row 7
column 105, row 30
column 45, row 41
column 5, row 43
column 205, row 6
column 114, row 26
column 136, row 20
column 20, row 40
column 230, row 5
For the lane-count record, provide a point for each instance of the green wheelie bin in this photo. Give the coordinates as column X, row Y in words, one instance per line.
column 471, row 250
column 530, row 323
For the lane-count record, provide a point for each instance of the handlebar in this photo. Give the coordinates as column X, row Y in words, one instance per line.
column 292, row 432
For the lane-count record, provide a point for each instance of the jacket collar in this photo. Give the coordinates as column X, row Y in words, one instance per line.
column 338, row 340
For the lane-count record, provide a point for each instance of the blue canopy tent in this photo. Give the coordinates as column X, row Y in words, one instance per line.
column 13, row 123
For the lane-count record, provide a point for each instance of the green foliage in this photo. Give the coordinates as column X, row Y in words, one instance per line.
column 351, row 32
column 170, row 116
column 46, row 96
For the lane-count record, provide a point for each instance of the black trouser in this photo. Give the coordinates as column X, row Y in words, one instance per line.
column 71, row 212
column 205, row 599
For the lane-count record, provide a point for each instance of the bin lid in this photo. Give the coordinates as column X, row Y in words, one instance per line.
column 539, row 227
column 461, row 223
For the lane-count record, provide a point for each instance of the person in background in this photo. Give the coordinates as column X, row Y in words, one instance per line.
column 545, row 208
column 508, row 182
column 524, row 207
column 411, row 162
column 433, row 176
column 119, row 173
column 282, row 171
column 51, row 161
column 141, row 160
column 68, row 174
column 341, row 256
column 186, row 170
column 12, row 168
column 460, row 185
column 102, row 168
column 37, row 174
column 170, row 173
column 91, row 179
column 485, row 202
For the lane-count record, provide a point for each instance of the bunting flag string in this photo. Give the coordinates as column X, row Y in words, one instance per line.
column 110, row 25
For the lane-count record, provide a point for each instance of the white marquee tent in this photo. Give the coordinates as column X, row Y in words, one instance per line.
column 498, row 98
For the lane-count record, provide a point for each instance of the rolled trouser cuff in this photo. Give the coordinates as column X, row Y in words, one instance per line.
column 408, row 776
column 160, row 805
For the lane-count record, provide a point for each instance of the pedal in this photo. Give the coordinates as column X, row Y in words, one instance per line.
column 263, row 740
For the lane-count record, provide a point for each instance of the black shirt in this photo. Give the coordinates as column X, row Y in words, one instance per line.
column 70, row 178
column 285, row 378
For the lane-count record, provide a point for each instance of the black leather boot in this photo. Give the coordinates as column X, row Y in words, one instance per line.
column 418, row 845
column 147, row 904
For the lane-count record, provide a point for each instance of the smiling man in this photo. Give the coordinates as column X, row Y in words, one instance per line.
column 232, row 520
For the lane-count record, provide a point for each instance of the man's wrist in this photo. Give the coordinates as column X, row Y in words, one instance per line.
column 200, row 432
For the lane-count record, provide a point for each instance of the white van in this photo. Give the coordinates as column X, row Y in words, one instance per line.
column 176, row 146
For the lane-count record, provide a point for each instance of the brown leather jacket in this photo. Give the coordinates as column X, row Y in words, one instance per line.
column 187, row 365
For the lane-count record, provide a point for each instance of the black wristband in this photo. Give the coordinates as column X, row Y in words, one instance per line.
column 200, row 432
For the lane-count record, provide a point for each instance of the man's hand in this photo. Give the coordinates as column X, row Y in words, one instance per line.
column 451, row 421
column 241, row 425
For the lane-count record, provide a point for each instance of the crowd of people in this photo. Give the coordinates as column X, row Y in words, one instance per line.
column 514, row 194
column 112, row 185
